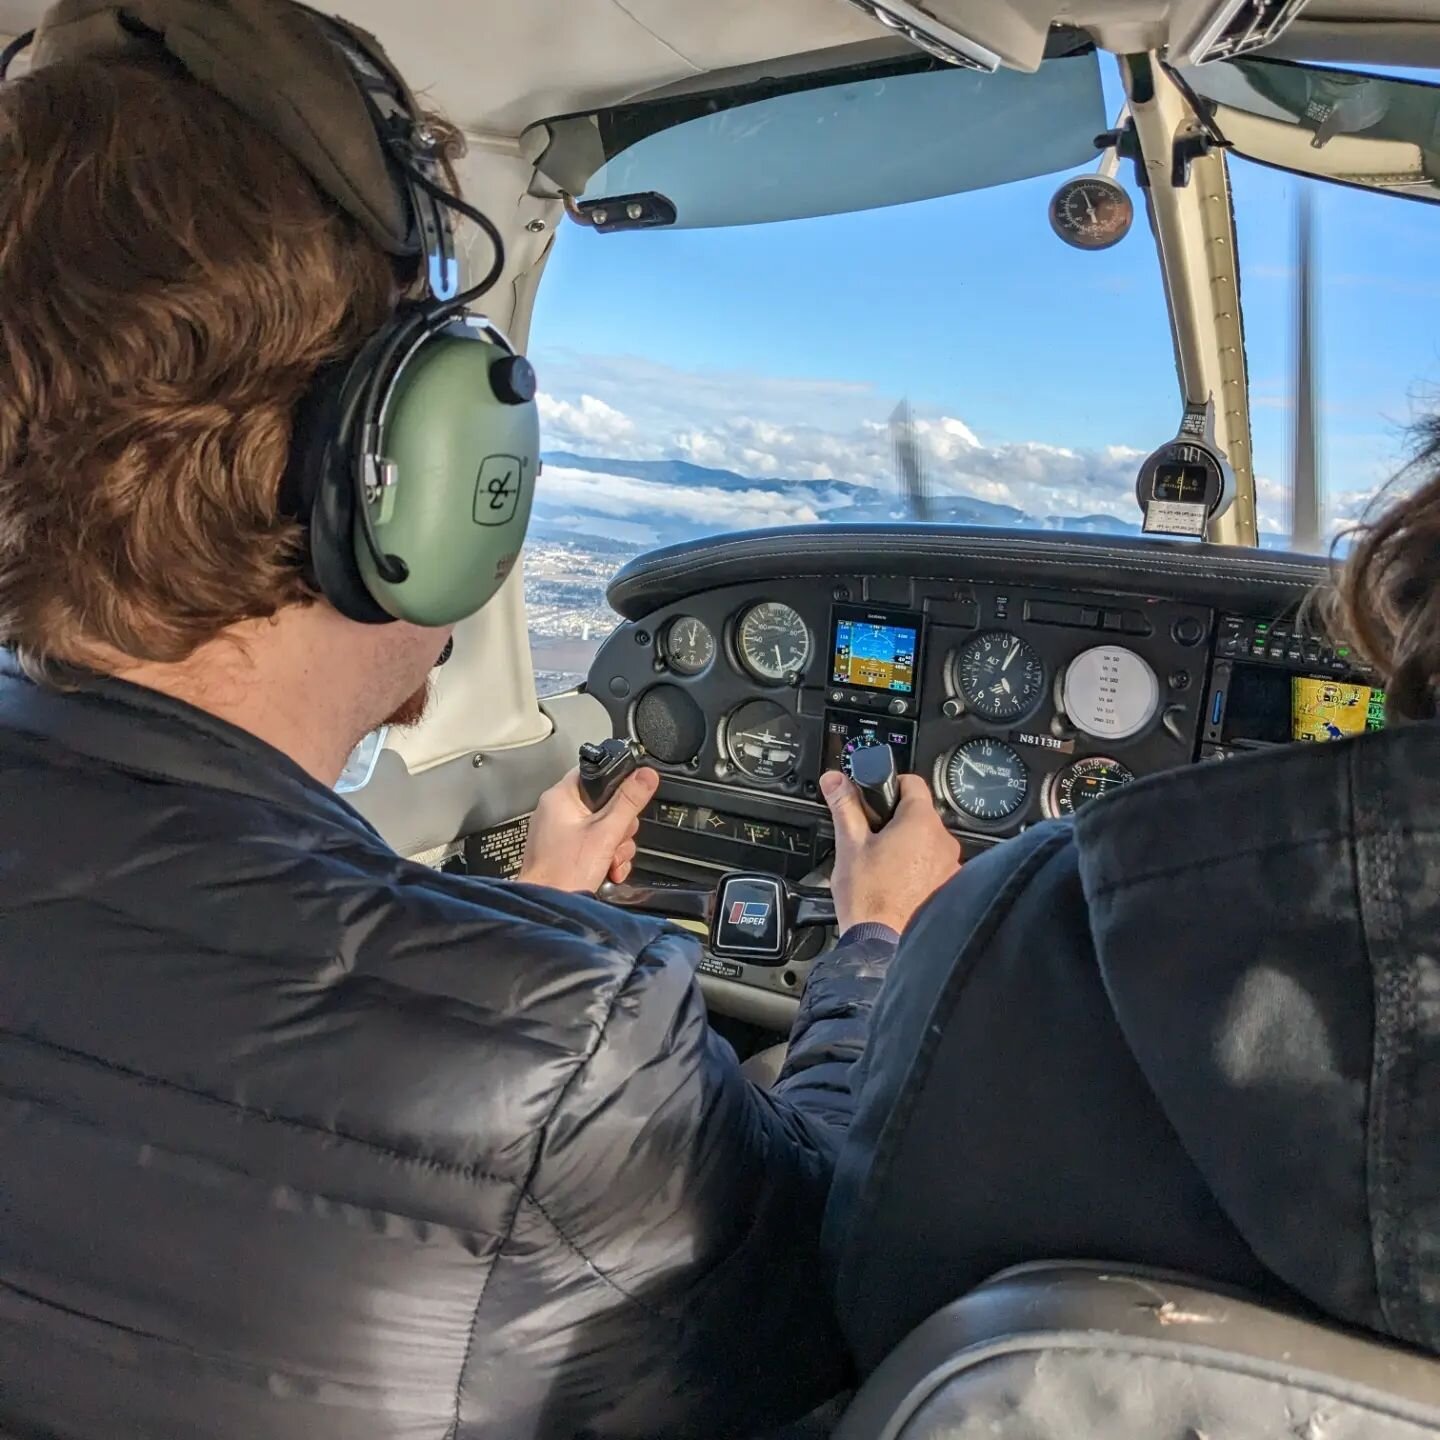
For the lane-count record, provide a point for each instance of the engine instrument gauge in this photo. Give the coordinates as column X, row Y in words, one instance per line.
column 1081, row 782
column 689, row 645
column 999, row 676
column 1110, row 692
column 762, row 740
column 1092, row 212
column 773, row 641
column 985, row 779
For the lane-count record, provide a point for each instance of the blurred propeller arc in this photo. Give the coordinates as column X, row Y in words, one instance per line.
column 910, row 477
column 1307, row 521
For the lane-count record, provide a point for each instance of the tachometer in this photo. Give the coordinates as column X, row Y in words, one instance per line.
column 773, row 641
column 689, row 645
column 998, row 675
column 1081, row 782
column 985, row 779
column 762, row 740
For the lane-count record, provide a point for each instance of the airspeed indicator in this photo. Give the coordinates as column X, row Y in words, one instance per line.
column 773, row 641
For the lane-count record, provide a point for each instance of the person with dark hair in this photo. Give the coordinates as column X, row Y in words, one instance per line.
column 1198, row 1028
column 301, row 1139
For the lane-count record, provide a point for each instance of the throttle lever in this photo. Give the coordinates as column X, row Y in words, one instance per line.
column 872, row 768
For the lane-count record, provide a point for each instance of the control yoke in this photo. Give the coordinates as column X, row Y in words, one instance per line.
column 872, row 768
column 750, row 916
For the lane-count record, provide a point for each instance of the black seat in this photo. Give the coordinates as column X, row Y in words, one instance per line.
column 1076, row 1351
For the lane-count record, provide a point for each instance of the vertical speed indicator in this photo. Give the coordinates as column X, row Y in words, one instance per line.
column 985, row 779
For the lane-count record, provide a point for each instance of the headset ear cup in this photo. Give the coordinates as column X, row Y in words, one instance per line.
column 319, row 486
column 465, row 462
column 332, row 545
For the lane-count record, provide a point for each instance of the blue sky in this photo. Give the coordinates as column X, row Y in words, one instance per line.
column 780, row 349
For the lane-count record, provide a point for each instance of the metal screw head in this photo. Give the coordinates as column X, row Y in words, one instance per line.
column 477, row 760
column 600, row 216
column 635, row 210
column 535, row 227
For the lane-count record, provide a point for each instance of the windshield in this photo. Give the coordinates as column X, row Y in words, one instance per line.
column 697, row 381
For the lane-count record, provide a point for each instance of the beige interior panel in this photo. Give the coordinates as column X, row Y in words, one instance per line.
column 498, row 65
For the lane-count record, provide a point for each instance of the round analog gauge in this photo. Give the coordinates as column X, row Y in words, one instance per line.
column 999, row 676
column 1110, row 692
column 762, row 740
column 986, row 779
column 773, row 641
column 1091, row 212
column 1081, row 782
column 689, row 645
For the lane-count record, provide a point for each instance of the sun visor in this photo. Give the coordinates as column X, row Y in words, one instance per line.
column 274, row 62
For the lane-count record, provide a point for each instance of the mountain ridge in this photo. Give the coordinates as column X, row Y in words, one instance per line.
column 838, row 500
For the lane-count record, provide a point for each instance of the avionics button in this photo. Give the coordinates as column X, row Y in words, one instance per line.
column 1136, row 623
column 1114, row 620
column 1049, row 612
column 964, row 614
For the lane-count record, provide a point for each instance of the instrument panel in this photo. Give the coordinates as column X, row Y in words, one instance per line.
column 1022, row 676
column 1016, row 704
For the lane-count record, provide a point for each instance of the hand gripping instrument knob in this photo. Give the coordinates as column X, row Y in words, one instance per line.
column 872, row 768
column 604, row 768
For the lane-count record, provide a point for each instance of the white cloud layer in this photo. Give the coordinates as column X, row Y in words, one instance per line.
column 767, row 428
column 624, row 497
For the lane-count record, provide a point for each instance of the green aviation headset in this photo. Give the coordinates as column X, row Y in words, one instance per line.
column 413, row 463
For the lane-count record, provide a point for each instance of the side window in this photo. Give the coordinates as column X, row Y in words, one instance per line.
column 1375, row 322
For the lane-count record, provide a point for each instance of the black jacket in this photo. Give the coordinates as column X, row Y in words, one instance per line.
column 1198, row 1029
column 302, row 1140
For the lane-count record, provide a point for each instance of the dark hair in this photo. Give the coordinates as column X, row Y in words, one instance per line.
column 1386, row 598
column 170, row 282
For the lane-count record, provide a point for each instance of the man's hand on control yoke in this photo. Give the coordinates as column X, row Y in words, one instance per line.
column 569, row 848
column 885, row 876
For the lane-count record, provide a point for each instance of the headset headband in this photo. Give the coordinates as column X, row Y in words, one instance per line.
column 319, row 86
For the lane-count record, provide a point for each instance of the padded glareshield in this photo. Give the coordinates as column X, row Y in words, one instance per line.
column 450, row 476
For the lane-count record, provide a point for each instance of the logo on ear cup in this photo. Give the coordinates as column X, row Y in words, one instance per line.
column 498, row 489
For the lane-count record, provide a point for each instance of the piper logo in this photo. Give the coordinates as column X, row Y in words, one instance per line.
column 752, row 913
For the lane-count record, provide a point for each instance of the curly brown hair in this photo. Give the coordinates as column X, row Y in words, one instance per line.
column 1386, row 598
column 170, row 282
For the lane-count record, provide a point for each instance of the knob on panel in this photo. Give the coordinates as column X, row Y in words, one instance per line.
column 669, row 724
